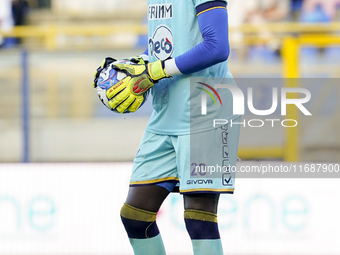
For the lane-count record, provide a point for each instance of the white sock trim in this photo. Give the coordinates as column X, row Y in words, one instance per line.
column 171, row 68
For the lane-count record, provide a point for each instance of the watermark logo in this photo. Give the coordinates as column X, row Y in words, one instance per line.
column 238, row 98
column 204, row 97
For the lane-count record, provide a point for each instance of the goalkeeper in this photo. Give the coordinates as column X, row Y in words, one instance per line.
column 187, row 39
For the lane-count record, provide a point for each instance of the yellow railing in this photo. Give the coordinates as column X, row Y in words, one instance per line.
column 290, row 53
column 49, row 33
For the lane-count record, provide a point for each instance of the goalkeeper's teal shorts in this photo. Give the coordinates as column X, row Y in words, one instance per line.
column 201, row 162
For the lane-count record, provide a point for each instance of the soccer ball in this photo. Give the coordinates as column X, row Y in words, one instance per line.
column 108, row 78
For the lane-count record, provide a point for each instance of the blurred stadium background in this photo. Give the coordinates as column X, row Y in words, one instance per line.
column 51, row 117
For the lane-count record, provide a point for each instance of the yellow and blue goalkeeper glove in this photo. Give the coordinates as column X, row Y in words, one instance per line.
column 140, row 60
column 107, row 61
column 128, row 93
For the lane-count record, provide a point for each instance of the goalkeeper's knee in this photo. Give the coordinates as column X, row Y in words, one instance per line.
column 138, row 223
column 203, row 230
column 201, row 225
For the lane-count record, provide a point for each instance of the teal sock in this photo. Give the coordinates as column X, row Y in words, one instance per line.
column 149, row 246
column 207, row 247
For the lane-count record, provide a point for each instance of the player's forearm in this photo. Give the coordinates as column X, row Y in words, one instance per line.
column 213, row 22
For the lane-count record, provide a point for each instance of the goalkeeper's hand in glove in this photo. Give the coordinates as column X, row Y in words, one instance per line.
column 128, row 94
column 141, row 60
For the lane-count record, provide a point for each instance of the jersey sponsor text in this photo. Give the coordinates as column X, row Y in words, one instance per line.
column 160, row 11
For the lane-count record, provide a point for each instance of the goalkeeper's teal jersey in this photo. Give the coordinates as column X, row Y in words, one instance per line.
column 173, row 30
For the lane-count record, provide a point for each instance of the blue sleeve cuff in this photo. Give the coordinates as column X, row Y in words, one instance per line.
column 201, row 2
column 209, row 6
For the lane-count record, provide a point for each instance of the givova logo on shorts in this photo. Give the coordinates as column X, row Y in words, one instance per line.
column 161, row 43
